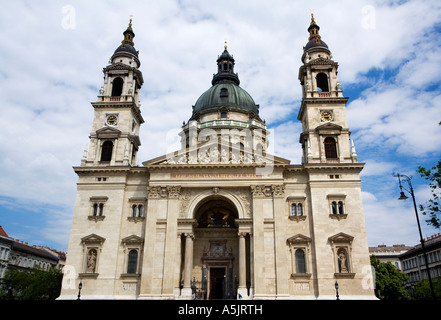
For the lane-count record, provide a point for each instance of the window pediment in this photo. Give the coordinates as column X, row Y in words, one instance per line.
column 341, row 238
column 329, row 128
column 92, row 239
column 108, row 133
column 298, row 239
column 132, row 239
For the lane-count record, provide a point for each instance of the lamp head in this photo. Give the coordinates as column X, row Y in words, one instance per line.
column 402, row 196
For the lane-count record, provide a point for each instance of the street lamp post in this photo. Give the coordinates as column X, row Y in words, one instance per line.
column 403, row 197
column 80, row 285
column 336, row 290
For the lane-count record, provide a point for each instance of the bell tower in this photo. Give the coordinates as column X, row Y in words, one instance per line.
column 325, row 133
column 114, row 140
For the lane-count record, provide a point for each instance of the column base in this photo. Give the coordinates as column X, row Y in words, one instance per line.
column 242, row 294
column 186, row 294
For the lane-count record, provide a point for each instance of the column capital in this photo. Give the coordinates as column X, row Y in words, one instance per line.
column 174, row 191
column 278, row 190
column 156, row 192
column 189, row 235
column 261, row 191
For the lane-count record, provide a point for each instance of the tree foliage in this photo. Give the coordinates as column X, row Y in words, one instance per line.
column 389, row 281
column 433, row 207
column 422, row 289
column 34, row 284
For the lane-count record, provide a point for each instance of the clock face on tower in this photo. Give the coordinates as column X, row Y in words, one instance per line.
column 326, row 116
column 112, row 120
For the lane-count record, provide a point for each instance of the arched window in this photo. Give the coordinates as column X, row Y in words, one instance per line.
column 95, row 209
column 101, row 209
column 140, row 210
column 132, row 261
column 106, row 152
column 322, row 82
column 134, row 210
column 299, row 210
column 300, row 261
column 334, row 207
column 293, row 210
column 330, row 148
column 340, row 207
column 117, row 87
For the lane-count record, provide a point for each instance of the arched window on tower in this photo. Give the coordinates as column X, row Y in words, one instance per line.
column 330, row 148
column 322, row 82
column 300, row 261
column 117, row 87
column 132, row 262
column 106, row 152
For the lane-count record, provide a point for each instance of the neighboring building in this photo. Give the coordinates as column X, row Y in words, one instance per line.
column 5, row 252
column 24, row 257
column 220, row 218
column 414, row 264
column 15, row 254
column 389, row 254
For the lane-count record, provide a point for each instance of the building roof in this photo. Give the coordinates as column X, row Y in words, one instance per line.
column 226, row 94
column 24, row 247
column 225, row 90
column 3, row 232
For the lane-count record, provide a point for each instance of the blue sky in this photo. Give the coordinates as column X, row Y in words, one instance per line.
column 51, row 59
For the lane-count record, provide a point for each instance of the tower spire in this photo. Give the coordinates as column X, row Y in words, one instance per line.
column 314, row 30
column 128, row 35
column 225, row 68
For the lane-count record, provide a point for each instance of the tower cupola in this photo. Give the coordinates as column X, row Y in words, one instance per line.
column 314, row 40
column 127, row 47
column 225, row 69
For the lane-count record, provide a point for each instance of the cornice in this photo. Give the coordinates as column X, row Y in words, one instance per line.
column 333, row 166
column 91, row 170
column 120, row 104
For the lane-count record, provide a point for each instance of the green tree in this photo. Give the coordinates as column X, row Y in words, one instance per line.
column 35, row 284
column 433, row 207
column 389, row 281
column 422, row 289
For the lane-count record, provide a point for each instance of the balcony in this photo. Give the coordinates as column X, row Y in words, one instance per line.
column 125, row 98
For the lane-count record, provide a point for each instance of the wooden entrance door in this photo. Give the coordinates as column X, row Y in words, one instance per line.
column 217, row 284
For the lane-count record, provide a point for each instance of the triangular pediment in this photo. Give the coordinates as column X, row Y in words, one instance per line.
column 132, row 239
column 329, row 128
column 108, row 132
column 341, row 237
column 298, row 238
column 92, row 238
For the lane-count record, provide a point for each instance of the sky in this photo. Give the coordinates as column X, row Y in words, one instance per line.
column 52, row 54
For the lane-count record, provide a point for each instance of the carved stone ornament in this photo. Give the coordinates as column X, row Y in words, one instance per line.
column 261, row 191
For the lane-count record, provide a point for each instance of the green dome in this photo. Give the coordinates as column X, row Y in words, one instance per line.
column 226, row 94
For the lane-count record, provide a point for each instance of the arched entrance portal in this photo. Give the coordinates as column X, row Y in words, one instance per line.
column 215, row 250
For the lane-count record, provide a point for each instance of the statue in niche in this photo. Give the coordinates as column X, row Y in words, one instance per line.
column 342, row 261
column 91, row 261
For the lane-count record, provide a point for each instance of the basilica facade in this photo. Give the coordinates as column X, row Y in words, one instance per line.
column 220, row 218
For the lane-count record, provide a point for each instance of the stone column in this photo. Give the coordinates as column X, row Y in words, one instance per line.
column 279, row 209
column 188, row 265
column 242, row 261
column 258, row 242
column 170, row 252
column 178, row 265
